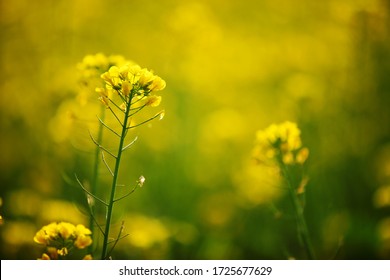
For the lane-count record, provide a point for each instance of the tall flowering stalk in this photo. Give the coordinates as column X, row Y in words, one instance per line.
column 281, row 145
column 91, row 68
column 124, row 89
column 128, row 90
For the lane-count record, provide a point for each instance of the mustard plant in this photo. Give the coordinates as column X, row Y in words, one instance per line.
column 124, row 90
column 90, row 69
column 281, row 145
column 128, row 90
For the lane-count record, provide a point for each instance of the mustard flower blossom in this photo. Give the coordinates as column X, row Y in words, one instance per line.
column 62, row 238
column 132, row 78
column 82, row 230
column 88, row 257
column 280, row 145
column 280, row 140
column 44, row 257
column 65, row 229
column 82, row 241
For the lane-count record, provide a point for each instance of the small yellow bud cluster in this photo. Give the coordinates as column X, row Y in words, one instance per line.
column 62, row 239
column 130, row 80
column 280, row 140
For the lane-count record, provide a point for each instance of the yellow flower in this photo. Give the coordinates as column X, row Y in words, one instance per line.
column 157, row 84
column 52, row 253
column 288, row 158
column 96, row 61
column 46, row 234
column 44, row 257
column 40, row 237
column 153, row 100
column 82, row 230
column 61, row 239
column 146, row 78
column 131, row 76
column 112, row 77
column 63, row 251
column 105, row 101
column 123, row 107
column 65, row 229
column 82, row 241
column 282, row 140
column 51, row 229
column 82, row 237
column 302, row 155
column 134, row 71
column 126, row 87
column 88, row 257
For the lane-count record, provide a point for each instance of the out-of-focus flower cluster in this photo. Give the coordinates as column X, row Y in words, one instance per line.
column 63, row 240
column 133, row 84
column 90, row 69
column 83, row 106
column 280, row 142
column 94, row 65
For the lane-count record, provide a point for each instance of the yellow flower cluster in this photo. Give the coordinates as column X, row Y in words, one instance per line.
column 63, row 238
column 94, row 65
column 281, row 141
column 132, row 83
column 90, row 69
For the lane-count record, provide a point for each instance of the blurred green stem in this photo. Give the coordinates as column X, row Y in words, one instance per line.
column 298, row 209
column 95, row 174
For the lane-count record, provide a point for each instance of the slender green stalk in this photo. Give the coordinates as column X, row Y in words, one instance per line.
column 115, row 179
column 95, row 174
column 300, row 218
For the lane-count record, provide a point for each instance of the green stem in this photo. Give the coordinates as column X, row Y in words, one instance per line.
column 95, row 174
column 301, row 222
column 115, row 179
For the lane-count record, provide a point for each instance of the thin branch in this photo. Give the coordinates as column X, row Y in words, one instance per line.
column 126, row 195
column 88, row 192
column 130, row 144
column 109, row 128
column 148, row 120
column 122, row 96
column 100, row 146
column 118, row 238
column 112, row 111
column 138, row 100
column 138, row 109
column 116, row 105
column 96, row 222
column 106, row 164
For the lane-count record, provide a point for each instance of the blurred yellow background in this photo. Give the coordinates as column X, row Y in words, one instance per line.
column 231, row 68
